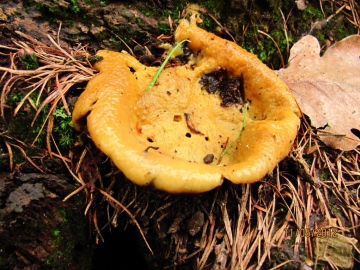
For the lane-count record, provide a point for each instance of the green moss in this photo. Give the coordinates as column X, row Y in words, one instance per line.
column 208, row 24
column 212, row 5
column 38, row 6
column 63, row 131
column 75, row 6
column 269, row 20
column 336, row 209
column 312, row 12
column 56, row 232
column 163, row 15
column 323, row 176
column 164, row 28
column 30, row 61
column 67, row 237
column 62, row 213
column 19, row 127
column 338, row 29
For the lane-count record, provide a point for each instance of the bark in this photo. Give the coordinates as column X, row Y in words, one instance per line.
column 37, row 229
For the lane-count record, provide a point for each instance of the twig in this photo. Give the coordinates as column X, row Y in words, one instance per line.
column 277, row 47
column 127, row 46
column 26, row 157
column 226, row 31
column 61, row 49
column 76, row 191
column 11, row 164
column 286, row 34
column 97, row 227
column 79, row 180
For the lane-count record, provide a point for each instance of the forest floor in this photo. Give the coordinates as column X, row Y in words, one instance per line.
column 304, row 215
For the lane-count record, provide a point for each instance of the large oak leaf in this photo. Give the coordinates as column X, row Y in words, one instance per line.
column 327, row 88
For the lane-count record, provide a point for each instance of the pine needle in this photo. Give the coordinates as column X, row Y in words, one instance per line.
column 153, row 81
column 246, row 107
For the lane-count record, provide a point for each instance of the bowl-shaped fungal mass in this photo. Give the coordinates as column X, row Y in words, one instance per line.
column 186, row 134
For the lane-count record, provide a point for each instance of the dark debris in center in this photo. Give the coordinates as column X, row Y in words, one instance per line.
column 230, row 89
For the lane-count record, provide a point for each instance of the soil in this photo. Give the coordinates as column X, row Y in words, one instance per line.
column 230, row 90
column 40, row 231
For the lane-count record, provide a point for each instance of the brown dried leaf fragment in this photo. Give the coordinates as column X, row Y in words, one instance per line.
column 195, row 223
column 327, row 88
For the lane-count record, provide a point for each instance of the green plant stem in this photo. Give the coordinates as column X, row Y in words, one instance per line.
column 246, row 107
column 153, row 81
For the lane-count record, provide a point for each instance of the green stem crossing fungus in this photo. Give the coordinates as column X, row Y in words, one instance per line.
column 246, row 107
column 153, row 81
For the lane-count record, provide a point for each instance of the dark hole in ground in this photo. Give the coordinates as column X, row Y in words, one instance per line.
column 356, row 132
column 119, row 251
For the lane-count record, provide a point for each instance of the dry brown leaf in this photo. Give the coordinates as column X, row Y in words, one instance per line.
column 327, row 88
